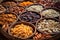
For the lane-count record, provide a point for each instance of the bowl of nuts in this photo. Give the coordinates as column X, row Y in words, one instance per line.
column 48, row 26
column 35, row 7
column 22, row 30
column 50, row 12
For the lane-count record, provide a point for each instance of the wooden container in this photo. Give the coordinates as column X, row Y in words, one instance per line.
column 26, row 23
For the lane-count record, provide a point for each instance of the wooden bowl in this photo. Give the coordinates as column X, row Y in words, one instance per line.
column 47, row 19
column 26, row 23
column 10, row 22
column 58, row 10
column 33, row 19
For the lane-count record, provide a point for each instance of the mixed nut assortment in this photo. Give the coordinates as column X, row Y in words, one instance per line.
column 16, row 9
column 30, row 11
column 50, row 13
column 35, row 7
column 48, row 26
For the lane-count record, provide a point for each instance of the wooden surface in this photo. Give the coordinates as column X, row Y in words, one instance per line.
column 4, row 38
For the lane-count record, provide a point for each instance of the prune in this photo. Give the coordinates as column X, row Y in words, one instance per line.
column 30, row 16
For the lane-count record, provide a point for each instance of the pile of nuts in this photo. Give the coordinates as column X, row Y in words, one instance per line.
column 35, row 7
column 50, row 13
column 16, row 9
column 9, row 4
column 48, row 26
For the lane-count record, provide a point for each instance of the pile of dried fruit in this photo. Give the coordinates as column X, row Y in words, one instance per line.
column 30, row 16
column 25, row 3
column 22, row 31
column 7, row 18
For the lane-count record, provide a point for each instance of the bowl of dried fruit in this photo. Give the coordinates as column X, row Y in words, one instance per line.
column 22, row 30
column 8, row 18
column 30, row 16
